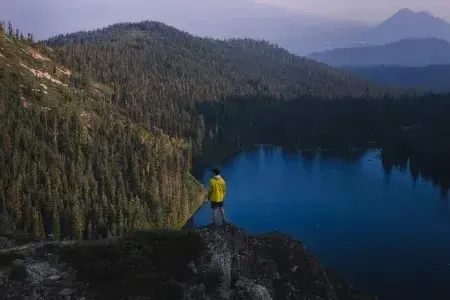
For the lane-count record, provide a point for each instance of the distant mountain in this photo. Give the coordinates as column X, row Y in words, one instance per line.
column 298, row 32
column 301, row 33
column 436, row 78
column 407, row 24
column 407, row 52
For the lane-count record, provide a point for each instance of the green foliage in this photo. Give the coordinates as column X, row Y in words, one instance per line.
column 73, row 164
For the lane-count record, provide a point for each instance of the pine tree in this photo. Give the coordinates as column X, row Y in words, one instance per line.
column 30, row 38
column 15, row 198
column 89, row 231
column 10, row 29
column 56, row 226
column 2, row 198
column 78, row 223
column 121, row 223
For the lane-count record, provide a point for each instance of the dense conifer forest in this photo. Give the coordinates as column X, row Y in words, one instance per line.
column 74, row 165
column 158, row 72
column 99, row 132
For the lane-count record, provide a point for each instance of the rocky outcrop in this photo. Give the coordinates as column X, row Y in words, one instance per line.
column 205, row 263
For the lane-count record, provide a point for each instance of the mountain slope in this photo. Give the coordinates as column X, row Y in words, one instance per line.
column 436, row 78
column 408, row 52
column 74, row 165
column 407, row 24
column 163, row 54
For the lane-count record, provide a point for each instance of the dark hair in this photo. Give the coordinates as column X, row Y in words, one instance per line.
column 216, row 171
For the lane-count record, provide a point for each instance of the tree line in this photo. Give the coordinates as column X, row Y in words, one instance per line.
column 411, row 131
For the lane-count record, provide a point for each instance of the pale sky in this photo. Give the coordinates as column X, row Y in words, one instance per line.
column 366, row 10
column 46, row 18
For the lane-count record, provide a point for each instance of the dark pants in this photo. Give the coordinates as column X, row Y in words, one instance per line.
column 215, row 205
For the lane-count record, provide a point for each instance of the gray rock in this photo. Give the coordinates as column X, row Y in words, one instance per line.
column 66, row 292
column 229, row 265
column 52, row 279
column 39, row 271
column 33, row 296
column 17, row 262
column 248, row 290
column 192, row 267
column 218, row 267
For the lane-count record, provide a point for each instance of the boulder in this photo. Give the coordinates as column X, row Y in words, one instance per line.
column 40, row 271
column 248, row 290
column 66, row 292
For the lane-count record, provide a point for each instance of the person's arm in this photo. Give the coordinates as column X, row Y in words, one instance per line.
column 208, row 195
column 224, row 187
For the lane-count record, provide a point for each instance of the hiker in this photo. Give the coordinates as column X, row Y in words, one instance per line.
column 216, row 194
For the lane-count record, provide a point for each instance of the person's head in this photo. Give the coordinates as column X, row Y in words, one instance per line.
column 215, row 171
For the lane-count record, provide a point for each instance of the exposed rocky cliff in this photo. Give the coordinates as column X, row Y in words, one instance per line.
column 205, row 263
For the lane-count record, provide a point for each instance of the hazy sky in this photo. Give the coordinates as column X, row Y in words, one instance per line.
column 49, row 17
column 369, row 10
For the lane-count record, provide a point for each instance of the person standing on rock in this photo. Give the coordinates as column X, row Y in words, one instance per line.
column 216, row 195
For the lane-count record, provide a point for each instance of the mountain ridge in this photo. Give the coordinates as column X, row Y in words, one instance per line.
column 294, row 74
column 407, row 24
column 429, row 78
column 406, row 52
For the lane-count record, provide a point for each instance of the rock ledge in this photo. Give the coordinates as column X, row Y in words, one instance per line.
column 201, row 264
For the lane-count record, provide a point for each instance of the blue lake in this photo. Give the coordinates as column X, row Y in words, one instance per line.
column 385, row 234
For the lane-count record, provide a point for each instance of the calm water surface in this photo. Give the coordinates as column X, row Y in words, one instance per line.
column 384, row 234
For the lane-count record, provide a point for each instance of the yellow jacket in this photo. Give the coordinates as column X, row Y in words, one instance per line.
column 217, row 189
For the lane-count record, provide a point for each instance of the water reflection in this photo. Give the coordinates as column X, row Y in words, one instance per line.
column 307, row 160
column 384, row 229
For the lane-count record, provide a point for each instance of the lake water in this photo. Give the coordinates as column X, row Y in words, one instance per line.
column 385, row 234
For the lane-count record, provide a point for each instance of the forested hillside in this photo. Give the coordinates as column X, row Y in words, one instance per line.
column 158, row 72
column 406, row 52
column 436, row 78
column 72, row 163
